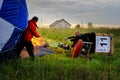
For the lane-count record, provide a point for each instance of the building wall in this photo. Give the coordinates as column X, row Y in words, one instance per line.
column 62, row 24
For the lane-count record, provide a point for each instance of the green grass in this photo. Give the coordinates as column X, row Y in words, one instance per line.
column 60, row 66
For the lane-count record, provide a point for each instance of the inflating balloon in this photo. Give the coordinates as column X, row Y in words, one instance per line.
column 13, row 21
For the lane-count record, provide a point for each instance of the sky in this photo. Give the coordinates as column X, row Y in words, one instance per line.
column 104, row 12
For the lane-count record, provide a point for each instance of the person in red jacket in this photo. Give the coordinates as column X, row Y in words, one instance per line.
column 26, row 39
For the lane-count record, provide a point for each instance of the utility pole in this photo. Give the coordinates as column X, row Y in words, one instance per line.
column 41, row 23
column 56, row 16
column 82, row 23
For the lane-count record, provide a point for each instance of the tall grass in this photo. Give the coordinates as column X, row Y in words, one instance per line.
column 58, row 66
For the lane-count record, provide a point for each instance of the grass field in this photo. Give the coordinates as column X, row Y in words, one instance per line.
column 60, row 66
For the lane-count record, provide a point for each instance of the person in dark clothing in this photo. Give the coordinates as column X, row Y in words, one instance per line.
column 75, row 38
column 26, row 39
column 85, row 38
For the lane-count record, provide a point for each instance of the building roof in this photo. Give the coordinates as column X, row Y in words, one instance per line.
column 57, row 21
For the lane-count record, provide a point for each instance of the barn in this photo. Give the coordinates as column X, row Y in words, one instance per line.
column 62, row 23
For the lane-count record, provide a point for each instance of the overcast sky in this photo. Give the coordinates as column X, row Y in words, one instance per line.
column 105, row 12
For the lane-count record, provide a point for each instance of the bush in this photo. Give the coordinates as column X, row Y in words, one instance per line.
column 90, row 25
column 77, row 26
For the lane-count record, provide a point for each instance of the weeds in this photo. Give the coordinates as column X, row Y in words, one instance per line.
column 60, row 65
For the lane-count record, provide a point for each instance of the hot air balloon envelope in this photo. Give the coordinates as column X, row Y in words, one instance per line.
column 13, row 21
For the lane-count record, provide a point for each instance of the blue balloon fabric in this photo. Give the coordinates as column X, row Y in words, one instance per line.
column 13, row 21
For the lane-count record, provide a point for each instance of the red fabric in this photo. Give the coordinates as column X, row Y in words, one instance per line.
column 30, row 31
column 77, row 49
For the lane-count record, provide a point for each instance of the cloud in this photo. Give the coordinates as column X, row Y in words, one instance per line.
column 99, row 11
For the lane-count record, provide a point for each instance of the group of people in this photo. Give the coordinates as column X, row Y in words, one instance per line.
column 25, row 40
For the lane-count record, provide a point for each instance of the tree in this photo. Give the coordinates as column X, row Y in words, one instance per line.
column 77, row 26
column 90, row 24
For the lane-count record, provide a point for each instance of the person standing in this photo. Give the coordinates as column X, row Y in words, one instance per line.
column 26, row 39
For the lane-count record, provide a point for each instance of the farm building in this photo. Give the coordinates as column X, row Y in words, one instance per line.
column 61, row 24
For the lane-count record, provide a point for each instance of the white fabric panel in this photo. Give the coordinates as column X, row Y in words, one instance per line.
column 1, row 1
column 6, row 30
